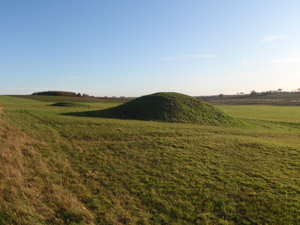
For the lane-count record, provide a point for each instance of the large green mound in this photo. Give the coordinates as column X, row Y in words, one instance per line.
column 172, row 107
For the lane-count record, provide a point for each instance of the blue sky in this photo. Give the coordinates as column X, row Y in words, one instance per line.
column 137, row 47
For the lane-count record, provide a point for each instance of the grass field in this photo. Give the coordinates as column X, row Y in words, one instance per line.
column 282, row 98
column 58, row 169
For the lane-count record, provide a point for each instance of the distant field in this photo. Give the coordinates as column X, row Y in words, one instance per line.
column 275, row 114
column 80, row 170
column 284, row 98
column 44, row 98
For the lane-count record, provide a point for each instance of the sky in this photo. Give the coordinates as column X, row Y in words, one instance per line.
column 137, row 47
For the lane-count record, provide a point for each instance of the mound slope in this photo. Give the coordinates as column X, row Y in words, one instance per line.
column 171, row 107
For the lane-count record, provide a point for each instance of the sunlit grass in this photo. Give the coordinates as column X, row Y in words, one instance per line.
column 126, row 171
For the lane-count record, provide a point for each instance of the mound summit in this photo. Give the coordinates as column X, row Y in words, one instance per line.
column 170, row 107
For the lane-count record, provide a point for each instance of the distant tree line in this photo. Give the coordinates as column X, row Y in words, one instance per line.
column 73, row 94
column 263, row 93
column 58, row 93
column 254, row 93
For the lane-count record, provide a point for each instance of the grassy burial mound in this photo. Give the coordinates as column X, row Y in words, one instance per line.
column 69, row 104
column 169, row 107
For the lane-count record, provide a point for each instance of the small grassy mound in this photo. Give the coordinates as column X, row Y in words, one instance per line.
column 170, row 107
column 69, row 104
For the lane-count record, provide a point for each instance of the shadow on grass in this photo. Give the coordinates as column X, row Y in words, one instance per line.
column 155, row 115
column 104, row 113
column 69, row 104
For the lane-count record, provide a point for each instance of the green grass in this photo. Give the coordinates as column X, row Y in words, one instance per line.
column 264, row 112
column 145, row 172
column 167, row 107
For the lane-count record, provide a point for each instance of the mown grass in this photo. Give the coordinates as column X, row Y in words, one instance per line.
column 138, row 172
column 265, row 112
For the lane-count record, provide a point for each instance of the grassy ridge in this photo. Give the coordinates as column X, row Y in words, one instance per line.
column 124, row 171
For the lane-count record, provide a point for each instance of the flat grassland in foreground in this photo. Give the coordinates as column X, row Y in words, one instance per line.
column 58, row 169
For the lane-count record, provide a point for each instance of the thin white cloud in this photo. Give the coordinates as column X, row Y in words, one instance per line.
column 295, row 59
column 244, row 63
column 189, row 57
column 270, row 38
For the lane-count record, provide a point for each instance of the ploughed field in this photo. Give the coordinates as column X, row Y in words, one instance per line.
column 59, row 168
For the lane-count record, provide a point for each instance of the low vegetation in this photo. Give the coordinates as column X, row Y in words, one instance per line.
column 58, row 169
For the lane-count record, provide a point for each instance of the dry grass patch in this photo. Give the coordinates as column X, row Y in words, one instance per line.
column 29, row 195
